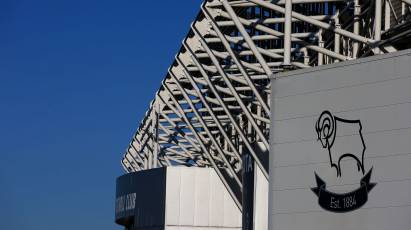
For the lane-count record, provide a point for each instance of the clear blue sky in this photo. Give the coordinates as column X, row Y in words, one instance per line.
column 76, row 77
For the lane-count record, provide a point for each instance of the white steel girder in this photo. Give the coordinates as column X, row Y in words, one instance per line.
column 213, row 105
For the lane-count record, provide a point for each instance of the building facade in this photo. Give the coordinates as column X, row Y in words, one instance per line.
column 214, row 107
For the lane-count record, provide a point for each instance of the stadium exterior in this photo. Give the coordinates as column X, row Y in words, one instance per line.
column 217, row 104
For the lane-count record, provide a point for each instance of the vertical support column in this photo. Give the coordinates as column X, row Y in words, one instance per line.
column 337, row 36
column 357, row 12
column 403, row 9
column 250, row 130
column 387, row 15
column 248, row 191
column 152, row 138
column 146, row 163
column 150, row 161
column 156, row 148
column 306, row 58
column 377, row 20
column 259, row 113
column 321, row 45
column 287, row 33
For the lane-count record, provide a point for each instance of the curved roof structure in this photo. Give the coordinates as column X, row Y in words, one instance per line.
column 214, row 104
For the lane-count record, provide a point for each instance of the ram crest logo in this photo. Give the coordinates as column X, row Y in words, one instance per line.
column 343, row 139
column 326, row 128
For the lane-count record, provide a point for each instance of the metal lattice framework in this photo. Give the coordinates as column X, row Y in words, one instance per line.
column 214, row 103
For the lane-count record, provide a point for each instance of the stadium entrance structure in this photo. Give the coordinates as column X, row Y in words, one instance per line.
column 213, row 106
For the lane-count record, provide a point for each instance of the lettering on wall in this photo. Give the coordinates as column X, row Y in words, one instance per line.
column 329, row 135
column 126, row 203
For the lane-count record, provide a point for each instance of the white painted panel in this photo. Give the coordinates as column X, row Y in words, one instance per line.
column 216, row 201
column 232, row 215
column 173, row 196
column 202, row 198
column 199, row 228
column 197, row 199
column 375, row 91
column 172, row 228
column 187, row 191
column 260, row 200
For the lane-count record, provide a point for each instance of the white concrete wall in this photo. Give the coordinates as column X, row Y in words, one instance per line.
column 197, row 199
column 376, row 91
column 260, row 200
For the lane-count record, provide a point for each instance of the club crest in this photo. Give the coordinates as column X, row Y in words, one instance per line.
column 343, row 139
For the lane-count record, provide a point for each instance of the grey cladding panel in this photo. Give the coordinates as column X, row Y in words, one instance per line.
column 369, row 104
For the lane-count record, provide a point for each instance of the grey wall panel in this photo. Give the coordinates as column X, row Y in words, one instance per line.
column 397, row 218
column 387, row 92
column 374, row 119
column 302, row 176
column 299, row 200
column 356, row 72
column 374, row 92
column 292, row 154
